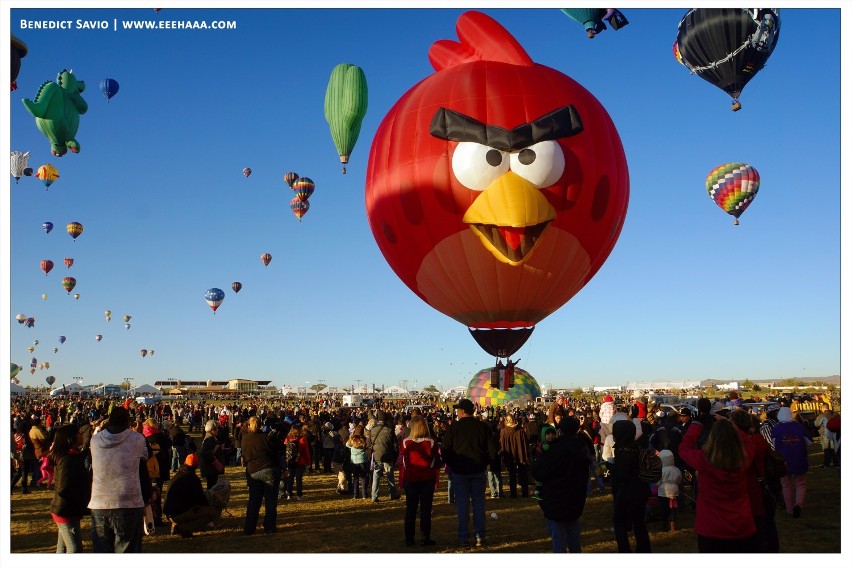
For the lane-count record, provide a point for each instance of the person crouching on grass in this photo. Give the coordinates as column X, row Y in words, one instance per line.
column 186, row 503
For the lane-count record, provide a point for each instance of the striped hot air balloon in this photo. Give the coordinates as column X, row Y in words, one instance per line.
column 733, row 187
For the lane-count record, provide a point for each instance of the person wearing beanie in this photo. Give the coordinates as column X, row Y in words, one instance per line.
column 384, row 446
column 186, row 504
column 630, row 494
column 606, row 413
column 562, row 474
column 792, row 439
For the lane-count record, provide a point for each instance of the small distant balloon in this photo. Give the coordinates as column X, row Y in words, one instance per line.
column 266, row 258
column 74, row 229
column 21, row 318
column 98, row 337
column 304, row 188
column 247, row 172
column 56, row 349
column 30, row 322
column 127, row 326
column 47, row 174
column 76, row 296
column 46, row 266
column 143, row 352
column 62, row 339
column 35, row 342
column 19, row 164
column 50, row 380
column 30, row 348
column 290, row 177
column 299, row 207
column 127, row 318
column 68, row 283
column 237, row 287
column 214, row 297
column 69, row 262
column 109, row 87
column 44, row 296
column 151, row 352
column 47, row 226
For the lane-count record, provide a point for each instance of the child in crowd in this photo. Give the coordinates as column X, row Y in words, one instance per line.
column 669, row 489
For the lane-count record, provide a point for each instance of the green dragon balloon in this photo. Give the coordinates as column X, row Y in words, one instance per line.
column 345, row 107
column 57, row 109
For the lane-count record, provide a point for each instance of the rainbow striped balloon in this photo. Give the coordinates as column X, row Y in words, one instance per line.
column 733, row 187
column 524, row 389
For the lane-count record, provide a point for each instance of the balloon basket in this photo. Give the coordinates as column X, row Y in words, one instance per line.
column 735, row 106
column 736, row 221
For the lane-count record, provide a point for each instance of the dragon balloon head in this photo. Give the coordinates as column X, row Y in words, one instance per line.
column 496, row 187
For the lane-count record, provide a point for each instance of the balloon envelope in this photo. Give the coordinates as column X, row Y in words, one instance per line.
column 47, row 226
column 299, row 207
column 69, row 262
column 304, row 188
column 62, row 339
column 47, row 174
column 68, row 283
column 46, row 266
column 345, row 107
column 50, row 380
column 143, row 352
column 247, row 172
column 109, row 87
column 523, row 388
column 74, row 229
column 266, row 258
column 98, row 337
column 290, row 177
column 214, row 297
column 19, row 164
column 733, row 187
column 727, row 47
column 237, row 286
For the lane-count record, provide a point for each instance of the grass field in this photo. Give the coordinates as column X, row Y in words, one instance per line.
column 324, row 522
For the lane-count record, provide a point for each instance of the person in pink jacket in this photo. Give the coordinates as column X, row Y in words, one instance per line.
column 723, row 516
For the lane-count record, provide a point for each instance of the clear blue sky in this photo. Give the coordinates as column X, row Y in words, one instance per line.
column 167, row 212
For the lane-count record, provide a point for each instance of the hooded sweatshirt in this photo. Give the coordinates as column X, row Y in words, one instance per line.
column 671, row 476
column 115, row 470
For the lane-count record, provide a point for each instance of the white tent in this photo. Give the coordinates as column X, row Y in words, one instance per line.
column 146, row 389
column 287, row 389
column 332, row 390
column 395, row 390
column 16, row 389
column 459, row 390
column 73, row 388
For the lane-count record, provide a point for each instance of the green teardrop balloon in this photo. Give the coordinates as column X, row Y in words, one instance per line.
column 345, row 107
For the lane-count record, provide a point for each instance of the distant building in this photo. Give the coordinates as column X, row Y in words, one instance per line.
column 232, row 386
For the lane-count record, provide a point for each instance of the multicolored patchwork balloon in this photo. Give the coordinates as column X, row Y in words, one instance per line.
column 299, row 207
column 524, row 389
column 733, row 187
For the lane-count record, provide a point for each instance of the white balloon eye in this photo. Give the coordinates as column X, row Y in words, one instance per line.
column 541, row 164
column 476, row 166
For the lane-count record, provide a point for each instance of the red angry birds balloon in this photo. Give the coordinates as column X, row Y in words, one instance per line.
column 496, row 187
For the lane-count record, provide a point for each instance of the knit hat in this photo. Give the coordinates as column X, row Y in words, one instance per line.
column 607, row 398
column 545, row 429
column 148, row 430
column 569, row 426
column 785, row 414
column 191, row 460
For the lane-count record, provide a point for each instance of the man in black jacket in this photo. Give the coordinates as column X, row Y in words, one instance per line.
column 385, row 450
column 468, row 448
column 186, row 502
column 563, row 470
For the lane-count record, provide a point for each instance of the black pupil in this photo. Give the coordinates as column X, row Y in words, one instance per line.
column 526, row 156
column 494, row 157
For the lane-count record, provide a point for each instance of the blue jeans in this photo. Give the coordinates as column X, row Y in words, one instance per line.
column 262, row 487
column 117, row 530
column 69, row 539
column 297, row 472
column 384, row 469
column 565, row 535
column 470, row 488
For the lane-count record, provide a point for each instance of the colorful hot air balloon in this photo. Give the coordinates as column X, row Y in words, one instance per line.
column 237, row 287
column 47, row 174
column 62, row 339
column 50, row 380
column 496, row 187
column 69, row 262
column 47, row 226
column 74, row 229
column 30, row 322
column 247, row 172
column 214, row 297
column 46, row 266
column 733, row 187
column 127, row 318
column 143, row 352
column 19, row 164
column 107, row 314
column 68, row 283
column 15, row 369
column 304, row 188
column 109, row 87
column 290, row 177
column 57, row 109
column 727, row 47
column 345, row 107
column 299, row 207
column 266, row 258
column 523, row 389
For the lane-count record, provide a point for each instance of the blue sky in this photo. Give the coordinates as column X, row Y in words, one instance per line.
column 167, row 212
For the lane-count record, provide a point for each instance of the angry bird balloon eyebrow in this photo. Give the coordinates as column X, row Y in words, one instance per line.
column 451, row 125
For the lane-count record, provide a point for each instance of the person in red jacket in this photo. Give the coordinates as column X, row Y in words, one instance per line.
column 419, row 475
column 723, row 516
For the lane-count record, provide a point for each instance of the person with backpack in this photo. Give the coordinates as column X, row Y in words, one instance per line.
column 294, row 448
column 160, row 448
column 384, row 451
column 792, row 439
column 359, row 462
